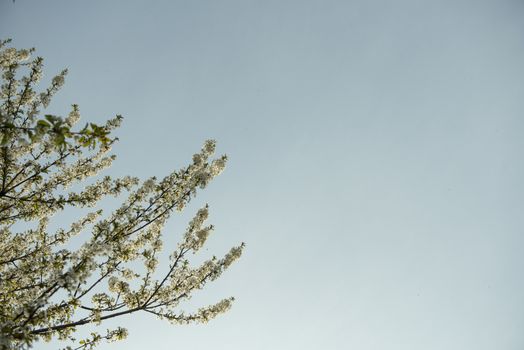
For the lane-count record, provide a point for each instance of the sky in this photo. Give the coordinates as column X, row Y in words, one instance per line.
column 375, row 151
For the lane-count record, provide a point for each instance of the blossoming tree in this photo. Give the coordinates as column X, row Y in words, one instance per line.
column 50, row 290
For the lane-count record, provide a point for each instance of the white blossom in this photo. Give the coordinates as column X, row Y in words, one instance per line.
column 53, row 282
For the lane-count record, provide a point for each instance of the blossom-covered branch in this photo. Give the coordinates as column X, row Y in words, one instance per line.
column 48, row 288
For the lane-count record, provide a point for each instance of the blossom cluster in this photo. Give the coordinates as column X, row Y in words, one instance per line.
column 50, row 287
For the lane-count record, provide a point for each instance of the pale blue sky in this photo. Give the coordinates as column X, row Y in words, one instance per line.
column 375, row 147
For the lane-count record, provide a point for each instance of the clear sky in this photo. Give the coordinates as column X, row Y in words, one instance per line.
column 376, row 158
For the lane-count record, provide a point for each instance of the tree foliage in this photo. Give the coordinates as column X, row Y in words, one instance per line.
column 47, row 288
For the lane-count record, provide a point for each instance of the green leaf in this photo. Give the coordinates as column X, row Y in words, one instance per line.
column 43, row 124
